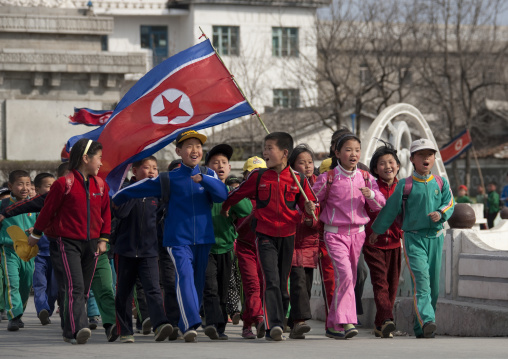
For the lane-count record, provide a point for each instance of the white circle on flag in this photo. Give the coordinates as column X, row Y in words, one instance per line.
column 458, row 145
column 171, row 107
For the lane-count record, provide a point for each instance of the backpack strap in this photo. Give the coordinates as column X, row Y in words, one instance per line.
column 260, row 173
column 165, row 186
column 365, row 175
column 439, row 181
column 329, row 181
column 69, row 181
column 408, row 186
column 100, row 183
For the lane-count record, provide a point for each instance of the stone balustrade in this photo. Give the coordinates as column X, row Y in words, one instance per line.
column 37, row 23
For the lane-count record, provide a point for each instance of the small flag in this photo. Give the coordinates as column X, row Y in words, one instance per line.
column 190, row 90
column 453, row 149
column 88, row 117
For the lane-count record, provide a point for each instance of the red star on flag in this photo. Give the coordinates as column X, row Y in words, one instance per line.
column 172, row 109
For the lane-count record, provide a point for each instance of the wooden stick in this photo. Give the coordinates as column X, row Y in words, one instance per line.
column 478, row 167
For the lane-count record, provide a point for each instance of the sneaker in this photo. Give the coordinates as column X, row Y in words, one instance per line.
column 146, row 327
column 83, row 335
column 260, row 329
column 190, row 336
column 387, row 328
column 351, row 332
column 93, row 322
column 335, row 334
column 236, row 318
column 379, row 334
column 21, row 324
column 275, row 334
column 111, row 333
column 67, row 340
column 428, row 329
column 162, row 332
column 127, row 338
column 223, row 336
column 44, row 317
column 299, row 329
column 248, row 334
column 13, row 325
column 174, row 334
column 211, row 332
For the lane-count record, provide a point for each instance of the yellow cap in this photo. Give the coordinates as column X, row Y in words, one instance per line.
column 325, row 165
column 253, row 163
column 20, row 240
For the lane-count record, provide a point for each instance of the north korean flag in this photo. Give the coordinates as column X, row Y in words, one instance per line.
column 190, row 90
column 88, row 117
column 456, row 147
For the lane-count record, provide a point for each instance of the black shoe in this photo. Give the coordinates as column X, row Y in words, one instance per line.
column 44, row 317
column 211, row 332
column 13, row 325
column 428, row 329
column 93, row 322
column 162, row 332
column 21, row 324
column 111, row 333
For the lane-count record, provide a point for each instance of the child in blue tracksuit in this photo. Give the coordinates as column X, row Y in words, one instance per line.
column 189, row 230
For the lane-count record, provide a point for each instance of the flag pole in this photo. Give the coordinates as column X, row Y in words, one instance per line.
column 478, row 167
column 258, row 116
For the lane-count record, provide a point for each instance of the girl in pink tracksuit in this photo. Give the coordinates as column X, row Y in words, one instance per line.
column 343, row 193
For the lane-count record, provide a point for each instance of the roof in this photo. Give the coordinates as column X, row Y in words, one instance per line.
column 288, row 3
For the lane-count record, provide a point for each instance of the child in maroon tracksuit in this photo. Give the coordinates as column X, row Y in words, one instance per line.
column 383, row 255
column 305, row 255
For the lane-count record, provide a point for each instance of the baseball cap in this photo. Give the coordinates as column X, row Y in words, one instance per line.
column 422, row 144
column 174, row 164
column 223, row 149
column 233, row 179
column 190, row 134
column 253, row 163
column 463, row 187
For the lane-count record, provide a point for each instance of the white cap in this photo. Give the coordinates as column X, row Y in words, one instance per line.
column 422, row 144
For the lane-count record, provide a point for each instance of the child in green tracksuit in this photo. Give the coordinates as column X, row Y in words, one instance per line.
column 17, row 273
column 428, row 205
column 220, row 259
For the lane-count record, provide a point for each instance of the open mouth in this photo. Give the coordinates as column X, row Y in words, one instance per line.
column 220, row 172
column 426, row 164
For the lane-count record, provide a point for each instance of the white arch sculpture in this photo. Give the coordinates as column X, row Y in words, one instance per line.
column 397, row 132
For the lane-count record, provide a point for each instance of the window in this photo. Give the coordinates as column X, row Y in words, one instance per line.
column 226, row 39
column 104, row 43
column 155, row 38
column 286, row 98
column 285, row 41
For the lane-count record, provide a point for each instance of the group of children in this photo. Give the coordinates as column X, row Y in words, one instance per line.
column 186, row 229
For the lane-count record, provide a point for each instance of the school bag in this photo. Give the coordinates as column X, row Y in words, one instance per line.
column 408, row 186
column 69, row 182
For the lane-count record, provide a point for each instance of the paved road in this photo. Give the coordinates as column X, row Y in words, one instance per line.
column 46, row 342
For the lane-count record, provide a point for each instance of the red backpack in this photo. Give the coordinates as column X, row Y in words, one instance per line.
column 69, row 181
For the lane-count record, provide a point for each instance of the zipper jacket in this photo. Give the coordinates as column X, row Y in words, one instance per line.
column 306, row 241
column 136, row 230
column 345, row 209
column 391, row 238
column 425, row 197
column 82, row 214
column 276, row 206
column 25, row 221
column 188, row 219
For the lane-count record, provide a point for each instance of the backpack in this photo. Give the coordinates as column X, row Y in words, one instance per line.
column 69, row 181
column 166, row 187
column 408, row 186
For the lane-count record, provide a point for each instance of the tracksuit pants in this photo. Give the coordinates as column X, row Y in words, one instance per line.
column 102, row 286
column 215, row 295
column 140, row 303
column 275, row 256
column 58, row 270
column 18, row 276
column 300, row 292
column 423, row 259
column 129, row 269
column 384, row 265
column 44, row 284
column 327, row 276
column 252, row 283
column 168, row 281
column 78, row 258
column 92, row 310
column 344, row 250
column 190, row 265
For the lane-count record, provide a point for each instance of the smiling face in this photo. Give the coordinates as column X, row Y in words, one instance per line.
column 91, row 164
column 387, row 168
column 349, row 154
column 423, row 161
column 20, row 189
column 275, row 158
column 304, row 164
column 148, row 169
column 191, row 151
column 220, row 164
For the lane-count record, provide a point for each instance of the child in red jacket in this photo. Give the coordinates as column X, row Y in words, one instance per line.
column 383, row 255
column 77, row 216
column 305, row 256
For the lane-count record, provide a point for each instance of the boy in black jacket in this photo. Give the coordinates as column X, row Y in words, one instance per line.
column 136, row 255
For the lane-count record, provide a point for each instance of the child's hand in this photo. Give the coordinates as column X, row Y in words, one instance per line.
column 310, row 207
column 366, row 192
column 225, row 213
column 32, row 241
column 30, row 230
column 101, row 247
column 373, row 238
column 1, row 218
column 197, row 178
column 434, row 216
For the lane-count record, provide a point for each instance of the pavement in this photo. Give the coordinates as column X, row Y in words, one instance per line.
column 36, row 340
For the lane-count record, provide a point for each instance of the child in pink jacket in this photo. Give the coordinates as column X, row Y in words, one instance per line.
column 343, row 193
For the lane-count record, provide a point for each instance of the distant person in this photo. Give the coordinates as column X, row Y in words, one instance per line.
column 504, row 193
column 492, row 204
column 482, row 198
column 462, row 196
